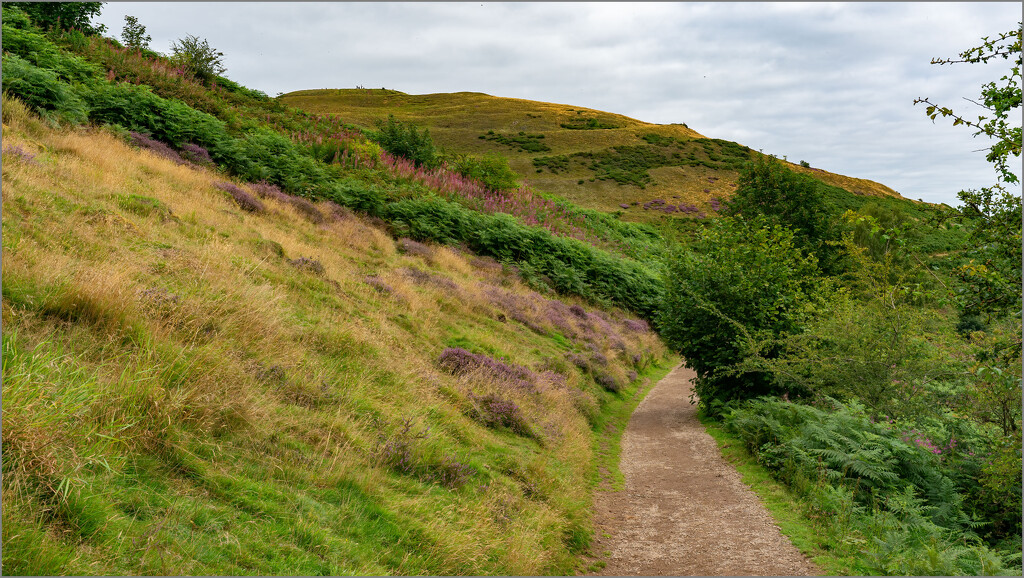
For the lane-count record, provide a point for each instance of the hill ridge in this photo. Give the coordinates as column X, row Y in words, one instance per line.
column 596, row 159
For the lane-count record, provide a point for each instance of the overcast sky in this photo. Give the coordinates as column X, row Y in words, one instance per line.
column 829, row 83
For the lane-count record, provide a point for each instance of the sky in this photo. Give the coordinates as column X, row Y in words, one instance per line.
column 829, row 83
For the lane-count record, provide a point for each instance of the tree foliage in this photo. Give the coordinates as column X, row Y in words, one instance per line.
column 998, row 99
column 743, row 280
column 991, row 281
column 405, row 140
column 134, row 34
column 769, row 190
column 63, row 15
column 198, row 57
column 492, row 170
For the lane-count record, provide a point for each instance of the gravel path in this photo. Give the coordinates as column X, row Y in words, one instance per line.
column 684, row 510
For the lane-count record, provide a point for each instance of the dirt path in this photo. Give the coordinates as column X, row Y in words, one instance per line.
column 684, row 510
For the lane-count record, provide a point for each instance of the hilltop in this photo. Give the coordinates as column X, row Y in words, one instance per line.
column 598, row 160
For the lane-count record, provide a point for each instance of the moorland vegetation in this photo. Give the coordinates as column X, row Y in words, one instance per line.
column 243, row 337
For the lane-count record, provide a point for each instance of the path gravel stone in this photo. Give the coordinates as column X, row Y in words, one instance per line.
column 684, row 510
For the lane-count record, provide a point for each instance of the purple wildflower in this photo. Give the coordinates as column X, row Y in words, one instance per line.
column 245, row 201
column 19, row 154
column 410, row 247
column 156, row 147
column 307, row 209
column 495, row 411
column 196, row 154
column 637, row 325
column 266, row 190
column 378, row 284
column 458, row 361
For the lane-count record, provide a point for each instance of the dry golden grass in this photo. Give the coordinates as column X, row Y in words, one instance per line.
column 456, row 121
column 149, row 320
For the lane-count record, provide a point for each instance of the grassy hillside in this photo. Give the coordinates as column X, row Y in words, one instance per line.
column 240, row 337
column 595, row 159
column 206, row 377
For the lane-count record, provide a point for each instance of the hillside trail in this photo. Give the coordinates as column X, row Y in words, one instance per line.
column 684, row 510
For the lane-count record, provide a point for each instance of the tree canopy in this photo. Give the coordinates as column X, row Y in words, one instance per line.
column 64, row 15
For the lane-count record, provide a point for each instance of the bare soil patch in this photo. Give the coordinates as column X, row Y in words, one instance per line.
column 684, row 510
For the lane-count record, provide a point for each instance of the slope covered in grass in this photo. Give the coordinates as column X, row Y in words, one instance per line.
column 206, row 377
column 595, row 159
column 144, row 97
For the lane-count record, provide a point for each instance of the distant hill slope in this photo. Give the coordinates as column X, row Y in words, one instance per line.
column 596, row 159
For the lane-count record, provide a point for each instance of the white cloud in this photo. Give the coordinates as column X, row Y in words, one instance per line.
column 831, row 83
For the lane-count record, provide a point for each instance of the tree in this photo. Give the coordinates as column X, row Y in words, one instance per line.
column 769, row 190
column 991, row 282
column 999, row 100
column 404, row 140
column 134, row 34
column 743, row 281
column 64, row 15
column 198, row 57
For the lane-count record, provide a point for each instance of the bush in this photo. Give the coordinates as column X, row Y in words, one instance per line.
column 137, row 108
column 43, row 90
column 491, row 170
column 458, row 361
column 243, row 198
column 63, row 15
column 572, row 266
column 524, row 141
column 30, row 44
column 196, row 55
column 741, row 281
column 495, row 411
column 885, row 486
column 769, row 190
column 404, row 140
column 264, row 155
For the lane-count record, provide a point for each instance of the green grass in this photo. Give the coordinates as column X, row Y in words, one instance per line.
column 185, row 394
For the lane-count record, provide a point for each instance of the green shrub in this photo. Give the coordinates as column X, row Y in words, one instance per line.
column 42, row 90
column 742, row 280
column 30, row 44
column 572, row 266
column 523, row 141
column 585, row 123
column 198, row 57
column 63, row 15
column 769, row 190
column 264, row 155
column 405, row 140
column 137, row 108
column 889, row 490
column 492, row 170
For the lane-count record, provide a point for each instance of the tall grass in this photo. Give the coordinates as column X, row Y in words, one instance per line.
column 186, row 394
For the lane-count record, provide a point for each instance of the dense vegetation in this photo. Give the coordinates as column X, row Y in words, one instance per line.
column 631, row 164
column 876, row 376
column 255, row 140
column 523, row 141
column 866, row 349
column 210, row 367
